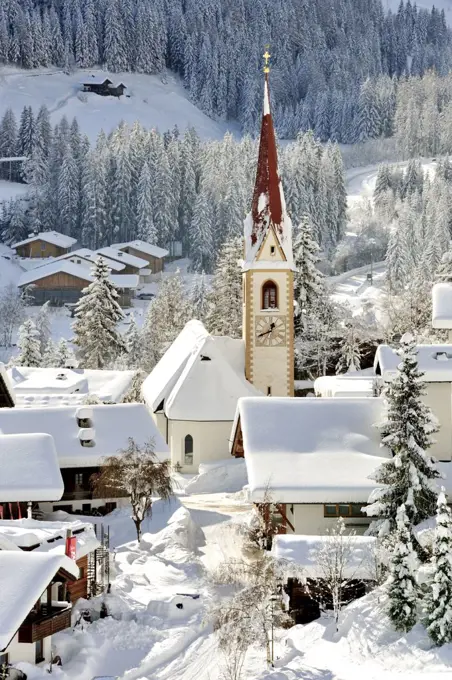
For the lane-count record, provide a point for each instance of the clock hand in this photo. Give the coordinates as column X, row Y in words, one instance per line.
column 272, row 325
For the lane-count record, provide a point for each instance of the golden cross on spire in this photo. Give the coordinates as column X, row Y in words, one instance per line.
column 267, row 56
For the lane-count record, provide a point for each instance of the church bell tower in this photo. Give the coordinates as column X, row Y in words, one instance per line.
column 268, row 302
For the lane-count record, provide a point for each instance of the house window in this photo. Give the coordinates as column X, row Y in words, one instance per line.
column 188, row 450
column 39, row 653
column 272, row 250
column 78, row 480
column 343, row 510
column 269, row 295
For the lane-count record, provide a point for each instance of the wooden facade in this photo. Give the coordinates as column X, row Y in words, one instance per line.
column 61, row 288
column 156, row 264
column 79, row 589
column 40, row 248
column 105, row 88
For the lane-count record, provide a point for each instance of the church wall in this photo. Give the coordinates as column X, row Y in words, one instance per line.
column 438, row 396
column 269, row 366
column 210, row 442
column 161, row 420
column 308, row 518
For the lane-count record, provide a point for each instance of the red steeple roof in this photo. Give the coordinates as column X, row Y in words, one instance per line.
column 267, row 205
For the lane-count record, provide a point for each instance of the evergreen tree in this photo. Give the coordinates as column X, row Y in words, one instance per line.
column 438, row 602
column 97, row 315
column 401, row 586
column 407, row 432
column 350, row 352
column 309, row 282
column 145, row 222
column 199, row 297
column 167, row 315
column 64, row 356
column 29, row 345
column 134, row 345
column 224, row 316
column 44, row 326
column 444, row 271
column 201, row 236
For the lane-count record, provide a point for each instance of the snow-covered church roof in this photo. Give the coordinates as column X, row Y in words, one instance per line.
column 200, row 377
column 311, row 450
column 268, row 212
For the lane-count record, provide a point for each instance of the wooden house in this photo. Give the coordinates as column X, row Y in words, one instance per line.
column 103, row 86
column 63, row 281
column 44, row 244
column 76, row 539
column 154, row 255
column 133, row 264
column 83, row 436
column 33, row 604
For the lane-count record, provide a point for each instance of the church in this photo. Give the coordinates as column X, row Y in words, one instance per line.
column 193, row 390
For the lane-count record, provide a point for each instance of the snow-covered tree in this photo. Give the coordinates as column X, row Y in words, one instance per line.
column 401, row 586
column 168, row 313
column 64, row 355
column 146, row 228
column 29, row 345
column 134, row 344
column 97, row 315
column 409, row 476
column 438, row 600
column 199, row 297
column 444, row 271
column 308, row 280
column 44, row 326
column 224, row 316
column 350, row 352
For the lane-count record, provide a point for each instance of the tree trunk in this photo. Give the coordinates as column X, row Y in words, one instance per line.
column 137, row 523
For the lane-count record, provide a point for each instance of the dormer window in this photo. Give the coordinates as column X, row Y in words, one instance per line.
column 269, row 295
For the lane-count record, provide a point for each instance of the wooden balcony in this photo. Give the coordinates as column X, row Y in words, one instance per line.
column 79, row 495
column 47, row 622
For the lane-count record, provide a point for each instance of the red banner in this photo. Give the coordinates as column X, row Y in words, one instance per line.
column 71, row 547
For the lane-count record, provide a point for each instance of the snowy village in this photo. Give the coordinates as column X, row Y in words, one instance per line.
column 225, row 340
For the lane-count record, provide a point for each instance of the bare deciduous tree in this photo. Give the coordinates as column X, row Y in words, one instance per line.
column 137, row 472
column 12, row 313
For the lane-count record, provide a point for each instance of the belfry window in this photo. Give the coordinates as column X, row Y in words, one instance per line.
column 188, row 450
column 269, row 295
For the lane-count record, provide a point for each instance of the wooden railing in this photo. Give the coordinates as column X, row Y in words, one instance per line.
column 59, row 618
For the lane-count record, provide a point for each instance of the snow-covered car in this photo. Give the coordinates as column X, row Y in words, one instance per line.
column 145, row 296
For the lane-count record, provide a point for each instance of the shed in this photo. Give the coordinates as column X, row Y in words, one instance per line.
column 103, row 86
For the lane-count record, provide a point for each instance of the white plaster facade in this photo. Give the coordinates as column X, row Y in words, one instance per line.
column 26, row 652
column 309, row 519
column 269, row 368
column 438, row 396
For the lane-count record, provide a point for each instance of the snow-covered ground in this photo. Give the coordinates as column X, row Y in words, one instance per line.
column 10, row 190
column 148, row 637
column 156, row 101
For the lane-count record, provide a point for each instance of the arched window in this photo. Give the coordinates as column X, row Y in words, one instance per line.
column 269, row 295
column 188, row 450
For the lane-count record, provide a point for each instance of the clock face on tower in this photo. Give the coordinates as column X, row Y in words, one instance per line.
column 270, row 331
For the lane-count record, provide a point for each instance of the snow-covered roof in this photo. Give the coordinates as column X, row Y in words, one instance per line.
column 311, row 450
column 158, row 385
column 442, row 305
column 55, row 267
column 123, row 281
column 209, row 386
column 143, row 247
column 347, row 385
column 121, row 256
column 301, row 550
column 200, row 377
column 95, row 80
column 112, row 425
column 49, row 536
column 29, row 469
column 24, row 576
column 87, row 257
column 33, row 385
column 435, row 362
column 53, row 237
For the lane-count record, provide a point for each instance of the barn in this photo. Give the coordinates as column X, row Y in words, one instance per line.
column 62, row 282
column 103, row 86
column 44, row 244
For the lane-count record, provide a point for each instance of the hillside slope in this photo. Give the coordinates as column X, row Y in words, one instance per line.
column 154, row 101
column 446, row 5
